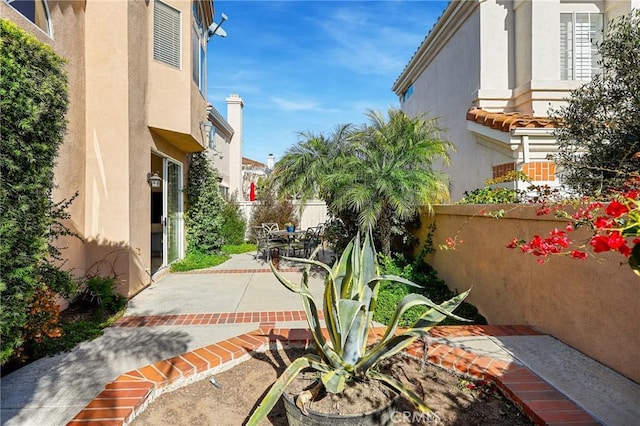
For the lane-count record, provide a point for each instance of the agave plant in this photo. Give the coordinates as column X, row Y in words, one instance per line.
column 350, row 295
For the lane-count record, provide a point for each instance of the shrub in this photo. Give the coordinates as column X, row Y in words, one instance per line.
column 270, row 209
column 203, row 218
column 432, row 287
column 101, row 292
column 234, row 225
column 33, row 100
column 196, row 260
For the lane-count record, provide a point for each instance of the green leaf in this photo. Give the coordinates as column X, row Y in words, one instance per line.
column 279, row 386
column 334, row 380
column 402, row 389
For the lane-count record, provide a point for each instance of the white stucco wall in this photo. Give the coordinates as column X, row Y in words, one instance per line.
column 502, row 56
column 448, row 87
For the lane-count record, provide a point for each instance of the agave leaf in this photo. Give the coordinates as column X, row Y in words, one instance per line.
column 347, row 310
column 386, row 349
column 367, row 265
column 278, row 387
column 309, row 261
column 342, row 271
column 402, row 389
column 433, row 317
column 311, row 310
column 332, row 314
column 353, row 262
column 356, row 334
column 334, row 380
column 398, row 280
column 411, row 300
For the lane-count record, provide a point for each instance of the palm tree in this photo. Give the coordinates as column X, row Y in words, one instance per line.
column 303, row 169
column 379, row 171
column 391, row 172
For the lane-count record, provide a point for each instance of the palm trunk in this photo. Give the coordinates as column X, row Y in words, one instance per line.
column 384, row 227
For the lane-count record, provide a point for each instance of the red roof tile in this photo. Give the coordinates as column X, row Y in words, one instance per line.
column 249, row 162
column 507, row 121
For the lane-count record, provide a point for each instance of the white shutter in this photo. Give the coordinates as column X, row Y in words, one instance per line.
column 579, row 34
column 566, row 46
column 583, row 47
column 166, row 34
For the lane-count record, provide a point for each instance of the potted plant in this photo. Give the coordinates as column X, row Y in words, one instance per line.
column 349, row 301
column 290, row 226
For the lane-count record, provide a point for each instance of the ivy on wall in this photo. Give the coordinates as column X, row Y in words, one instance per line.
column 33, row 101
column 203, row 218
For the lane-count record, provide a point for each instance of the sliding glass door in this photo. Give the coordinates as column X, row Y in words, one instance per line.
column 172, row 211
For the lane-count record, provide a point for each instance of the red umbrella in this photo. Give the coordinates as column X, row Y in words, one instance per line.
column 252, row 192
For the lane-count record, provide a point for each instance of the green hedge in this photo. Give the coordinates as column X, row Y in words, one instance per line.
column 204, row 213
column 33, row 101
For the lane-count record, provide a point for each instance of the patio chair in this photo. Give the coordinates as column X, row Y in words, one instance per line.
column 306, row 243
column 265, row 243
column 320, row 235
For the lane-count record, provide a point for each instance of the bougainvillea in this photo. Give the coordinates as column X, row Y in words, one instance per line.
column 615, row 226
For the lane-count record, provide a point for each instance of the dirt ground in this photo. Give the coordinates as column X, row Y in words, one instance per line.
column 454, row 400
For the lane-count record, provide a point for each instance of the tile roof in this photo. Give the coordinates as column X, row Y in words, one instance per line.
column 249, row 162
column 507, row 121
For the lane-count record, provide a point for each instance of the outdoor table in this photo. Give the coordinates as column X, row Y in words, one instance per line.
column 290, row 236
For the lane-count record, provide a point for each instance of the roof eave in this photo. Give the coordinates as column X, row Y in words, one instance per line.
column 447, row 24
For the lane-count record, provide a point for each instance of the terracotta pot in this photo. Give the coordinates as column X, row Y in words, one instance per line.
column 381, row 416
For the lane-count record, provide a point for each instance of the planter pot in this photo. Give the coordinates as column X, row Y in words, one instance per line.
column 381, row 416
column 291, row 228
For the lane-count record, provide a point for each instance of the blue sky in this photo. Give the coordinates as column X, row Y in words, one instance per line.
column 311, row 65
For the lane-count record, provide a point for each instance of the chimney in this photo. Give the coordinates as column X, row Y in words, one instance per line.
column 234, row 118
column 271, row 162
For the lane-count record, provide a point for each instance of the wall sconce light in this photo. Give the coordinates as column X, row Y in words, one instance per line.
column 154, row 180
column 206, row 126
column 208, row 133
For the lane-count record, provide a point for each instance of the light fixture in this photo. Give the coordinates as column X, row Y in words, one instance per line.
column 206, row 126
column 154, row 180
column 208, row 135
column 214, row 29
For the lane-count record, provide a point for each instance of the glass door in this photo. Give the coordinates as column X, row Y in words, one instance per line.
column 173, row 211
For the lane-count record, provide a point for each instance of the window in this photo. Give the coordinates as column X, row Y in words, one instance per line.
column 166, row 34
column 198, row 57
column 407, row 93
column 36, row 11
column 579, row 35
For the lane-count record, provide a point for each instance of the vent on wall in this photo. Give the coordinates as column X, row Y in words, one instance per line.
column 166, row 34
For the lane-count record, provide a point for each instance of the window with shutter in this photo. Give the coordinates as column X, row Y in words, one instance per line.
column 166, row 34
column 579, row 35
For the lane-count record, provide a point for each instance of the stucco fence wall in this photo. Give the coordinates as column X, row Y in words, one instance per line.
column 592, row 305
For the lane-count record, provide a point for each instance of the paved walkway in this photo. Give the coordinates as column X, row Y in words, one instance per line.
column 188, row 326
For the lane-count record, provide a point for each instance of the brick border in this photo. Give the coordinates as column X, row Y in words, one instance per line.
column 237, row 271
column 212, row 318
column 128, row 395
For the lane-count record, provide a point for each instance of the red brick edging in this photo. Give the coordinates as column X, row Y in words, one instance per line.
column 211, row 319
column 128, row 395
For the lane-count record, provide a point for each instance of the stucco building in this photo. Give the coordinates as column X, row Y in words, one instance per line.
column 137, row 88
column 490, row 70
